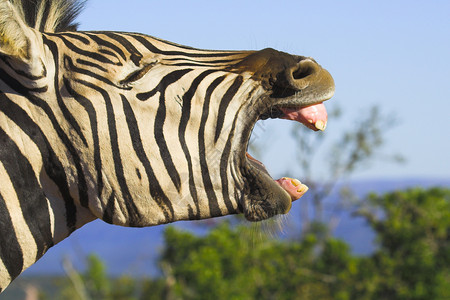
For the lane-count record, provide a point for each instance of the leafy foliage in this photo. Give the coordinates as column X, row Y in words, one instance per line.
column 412, row 261
column 231, row 262
column 95, row 284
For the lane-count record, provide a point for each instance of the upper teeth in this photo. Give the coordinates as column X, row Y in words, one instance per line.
column 321, row 125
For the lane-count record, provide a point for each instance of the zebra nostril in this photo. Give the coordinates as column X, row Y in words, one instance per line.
column 303, row 74
column 304, row 69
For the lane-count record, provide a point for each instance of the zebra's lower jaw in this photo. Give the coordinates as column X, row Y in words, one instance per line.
column 264, row 197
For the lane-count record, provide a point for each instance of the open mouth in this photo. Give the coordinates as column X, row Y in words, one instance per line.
column 314, row 117
column 267, row 196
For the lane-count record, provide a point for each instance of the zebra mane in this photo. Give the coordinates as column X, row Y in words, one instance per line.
column 49, row 15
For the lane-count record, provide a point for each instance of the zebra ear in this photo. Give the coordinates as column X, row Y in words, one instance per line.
column 17, row 39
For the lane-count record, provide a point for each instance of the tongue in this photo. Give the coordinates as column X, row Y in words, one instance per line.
column 314, row 116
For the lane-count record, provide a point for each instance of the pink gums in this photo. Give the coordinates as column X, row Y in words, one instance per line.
column 293, row 187
column 308, row 116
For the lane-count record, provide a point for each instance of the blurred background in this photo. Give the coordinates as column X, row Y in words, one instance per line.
column 388, row 134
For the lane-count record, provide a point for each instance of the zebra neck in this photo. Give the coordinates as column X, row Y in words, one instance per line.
column 36, row 206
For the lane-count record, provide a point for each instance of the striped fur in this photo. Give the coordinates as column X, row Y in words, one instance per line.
column 130, row 129
column 48, row 15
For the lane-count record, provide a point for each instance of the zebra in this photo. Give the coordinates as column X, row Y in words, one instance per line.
column 134, row 130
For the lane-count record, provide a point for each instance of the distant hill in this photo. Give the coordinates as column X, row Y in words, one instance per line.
column 134, row 251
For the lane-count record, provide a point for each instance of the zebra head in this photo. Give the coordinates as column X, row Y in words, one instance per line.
column 175, row 124
column 134, row 130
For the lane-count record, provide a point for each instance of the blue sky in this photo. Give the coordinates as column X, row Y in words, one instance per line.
column 394, row 54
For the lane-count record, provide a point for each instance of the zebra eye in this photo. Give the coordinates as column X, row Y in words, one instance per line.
column 136, row 75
